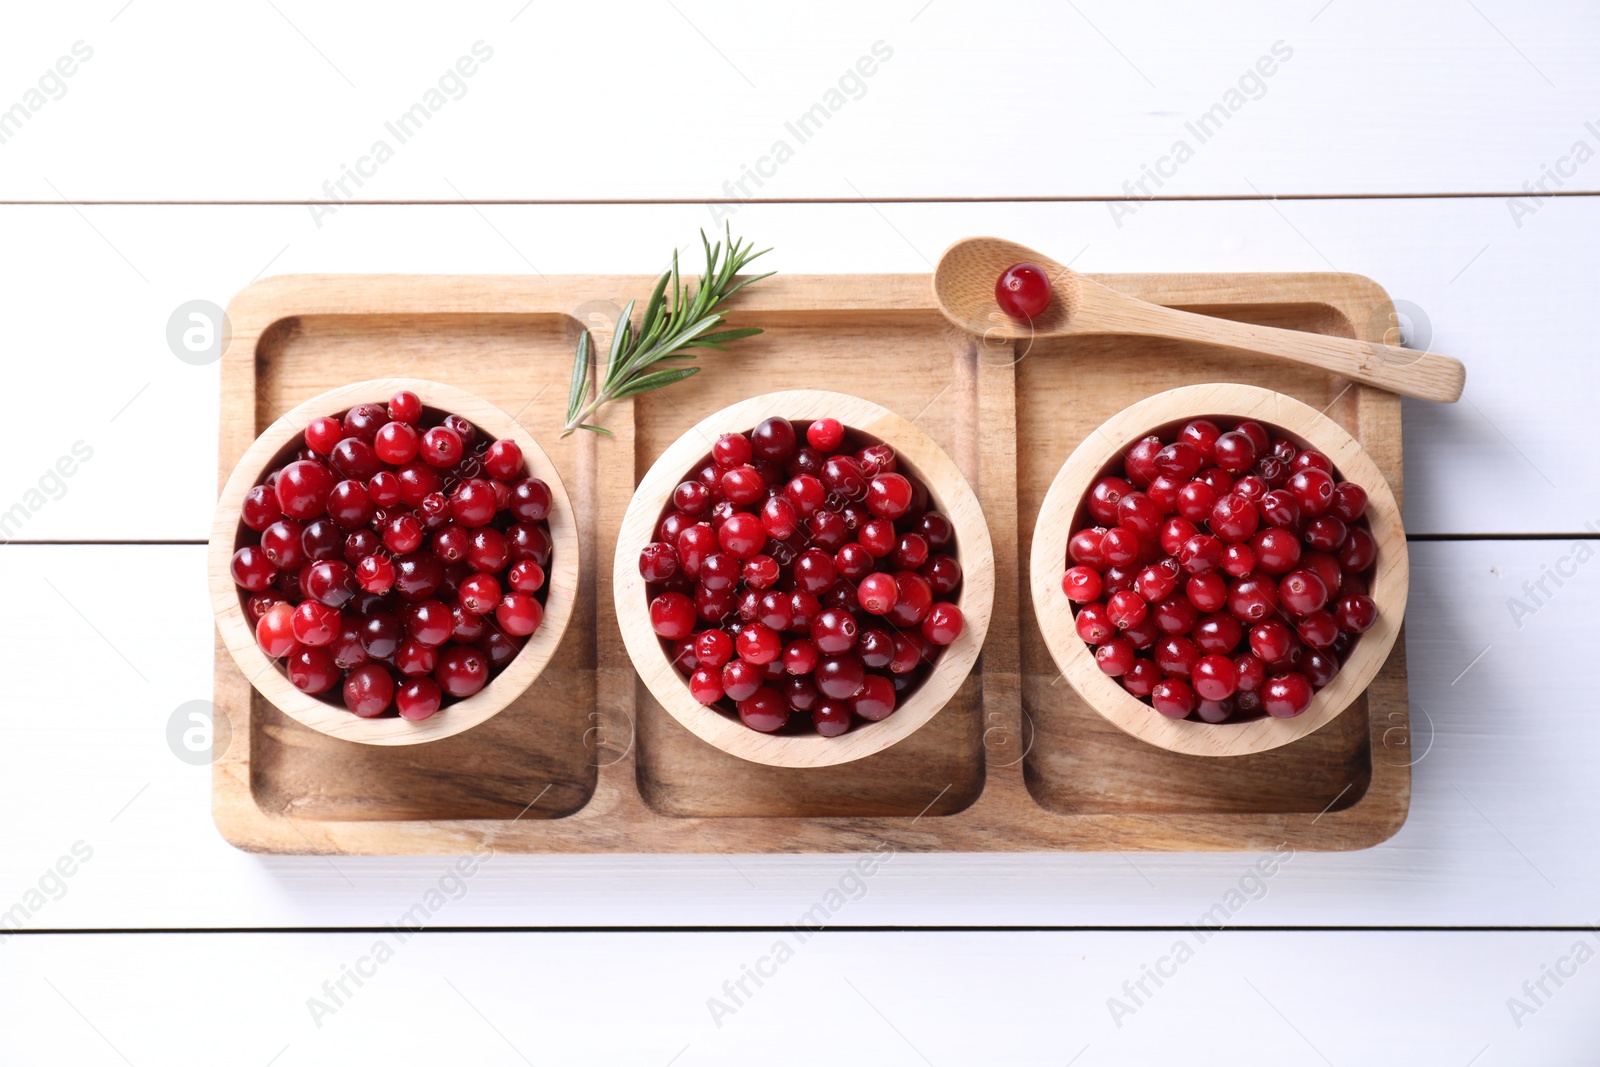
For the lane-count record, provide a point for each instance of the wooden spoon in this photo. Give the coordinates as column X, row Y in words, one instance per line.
column 963, row 286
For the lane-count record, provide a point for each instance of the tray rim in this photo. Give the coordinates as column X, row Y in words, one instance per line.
column 1367, row 821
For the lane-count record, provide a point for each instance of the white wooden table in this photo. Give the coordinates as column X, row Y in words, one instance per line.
column 1442, row 147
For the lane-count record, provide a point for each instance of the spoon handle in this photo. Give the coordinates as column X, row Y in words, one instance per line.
column 1424, row 375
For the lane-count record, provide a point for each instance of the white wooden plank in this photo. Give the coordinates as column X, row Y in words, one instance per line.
column 187, row 101
column 91, row 294
column 911, row 998
column 1504, row 797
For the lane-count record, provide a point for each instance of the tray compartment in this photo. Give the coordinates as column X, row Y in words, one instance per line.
column 1078, row 763
column 906, row 363
column 520, row 363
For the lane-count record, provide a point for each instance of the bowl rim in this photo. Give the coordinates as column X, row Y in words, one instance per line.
column 238, row 635
column 946, row 486
column 1047, row 564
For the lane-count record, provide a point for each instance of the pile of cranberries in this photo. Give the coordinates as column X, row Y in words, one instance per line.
column 802, row 576
column 1225, row 573
column 398, row 559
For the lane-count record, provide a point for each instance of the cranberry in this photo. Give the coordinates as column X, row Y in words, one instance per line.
column 1202, row 434
column 825, row 435
column 878, row 593
column 1234, row 517
column 405, row 406
column 274, row 632
column 1141, row 678
column 1359, row 550
column 658, row 562
column 1251, row 669
column 315, row 624
column 830, row 718
column 1235, row 452
column 876, row 699
column 843, row 475
column 462, row 671
column 672, row 615
column 1356, row 613
column 1207, row 592
column 1312, row 489
column 742, row 534
column 1173, row 698
column 330, row 582
column 503, row 460
column 1302, row 592
column 322, row 433
column 773, row 439
column 1094, row 624
column 417, row 699
column 1023, row 290
column 741, row 678
column 1318, row 629
column 441, row 447
column 1215, row 677
column 260, row 508
column 759, row 645
column 1349, row 501
column 943, row 573
column 478, row 594
column 840, row 677
column 312, row 670
column 354, row 458
column 302, row 489
column 1081, row 584
column 1114, row 657
column 1325, row 534
column 473, row 503
column 1238, row 560
column 368, row 690
column 1175, row 615
column 1176, row 655
column 943, row 624
column 764, row 710
column 1271, row 640
column 1217, row 633
column 1199, row 553
column 1286, row 695
column 488, row 551
column 252, row 569
column 396, row 443
column 1252, row 599
column 1276, row 550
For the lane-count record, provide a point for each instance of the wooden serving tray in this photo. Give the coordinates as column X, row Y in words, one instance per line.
column 586, row 761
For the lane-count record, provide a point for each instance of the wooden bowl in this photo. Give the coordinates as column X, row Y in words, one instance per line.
column 276, row 444
column 950, row 494
column 1063, row 511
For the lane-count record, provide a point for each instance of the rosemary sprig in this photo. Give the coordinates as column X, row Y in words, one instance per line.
column 675, row 321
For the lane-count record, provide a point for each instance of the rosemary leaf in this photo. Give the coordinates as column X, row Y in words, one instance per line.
column 674, row 321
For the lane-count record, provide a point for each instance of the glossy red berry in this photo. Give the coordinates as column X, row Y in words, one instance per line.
column 252, row 570
column 1173, row 698
column 1286, row 695
column 943, row 623
column 519, row 614
column 418, row 699
column 825, row 435
column 312, row 670
column 764, row 710
column 1023, row 291
column 441, row 447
